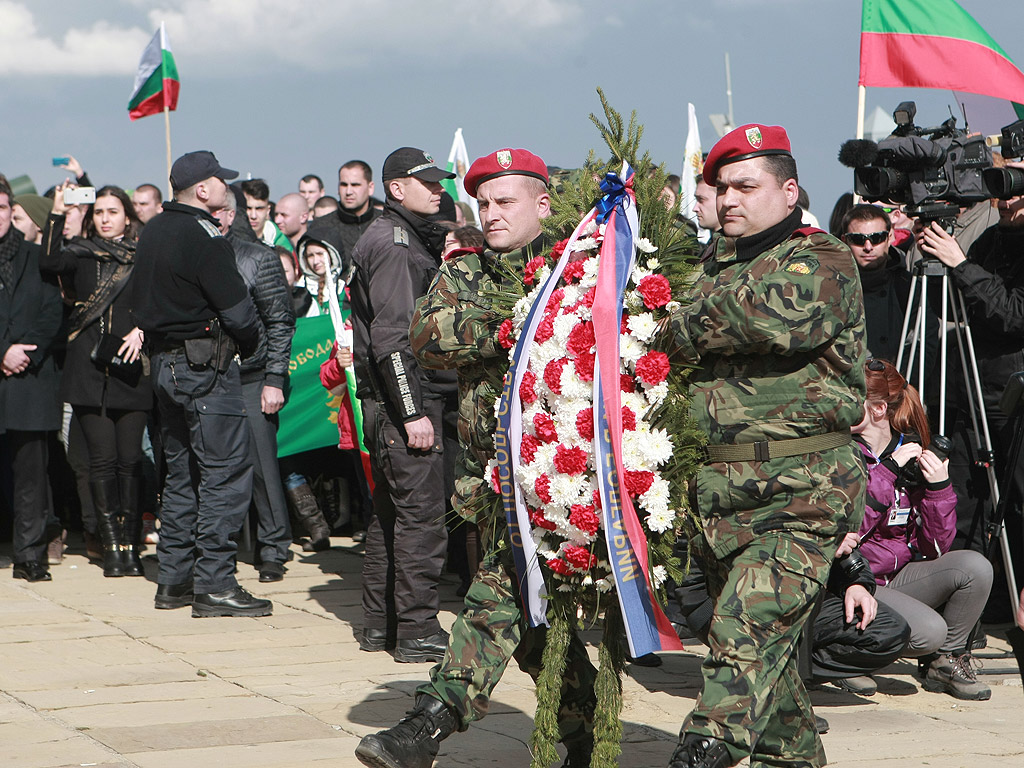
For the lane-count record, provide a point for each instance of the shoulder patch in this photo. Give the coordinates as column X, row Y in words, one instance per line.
column 801, row 266
column 211, row 230
column 401, row 236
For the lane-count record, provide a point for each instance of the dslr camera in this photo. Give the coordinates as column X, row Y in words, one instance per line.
column 911, row 475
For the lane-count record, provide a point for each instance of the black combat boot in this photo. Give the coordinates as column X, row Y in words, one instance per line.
column 414, row 742
column 696, row 751
column 105, row 500
column 310, row 518
column 131, row 525
column 578, row 752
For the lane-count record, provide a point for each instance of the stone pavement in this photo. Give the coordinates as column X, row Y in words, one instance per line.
column 92, row 675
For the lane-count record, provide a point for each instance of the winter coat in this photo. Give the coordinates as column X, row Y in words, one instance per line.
column 31, row 312
column 925, row 528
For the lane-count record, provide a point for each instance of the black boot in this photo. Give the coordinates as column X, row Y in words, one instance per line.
column 311, row 519
column 131, row 525
column 696, row 751
column 414, row 742
column 578, row 752
column 105, row 500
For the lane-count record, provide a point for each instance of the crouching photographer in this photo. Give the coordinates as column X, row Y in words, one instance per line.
column 908, row 527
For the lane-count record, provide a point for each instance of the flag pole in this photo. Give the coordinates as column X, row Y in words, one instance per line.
column 861, row 99
column 167, row 133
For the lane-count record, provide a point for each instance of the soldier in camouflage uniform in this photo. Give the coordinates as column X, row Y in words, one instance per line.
column 775, row 328
column 454, row 326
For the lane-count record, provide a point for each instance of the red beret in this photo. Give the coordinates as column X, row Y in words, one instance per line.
column 743, row 143
column 504, row 162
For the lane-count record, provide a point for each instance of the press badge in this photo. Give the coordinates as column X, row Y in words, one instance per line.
column 899, row 515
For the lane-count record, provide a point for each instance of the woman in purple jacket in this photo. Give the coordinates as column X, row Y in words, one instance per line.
column 908, row 527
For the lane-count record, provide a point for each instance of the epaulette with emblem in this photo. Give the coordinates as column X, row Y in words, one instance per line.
column 401, row 236
column 211, row 230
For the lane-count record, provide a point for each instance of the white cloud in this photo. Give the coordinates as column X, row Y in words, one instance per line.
column 99, row 49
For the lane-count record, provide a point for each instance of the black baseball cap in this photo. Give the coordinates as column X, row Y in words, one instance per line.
column 193, row 167
column 409, row 161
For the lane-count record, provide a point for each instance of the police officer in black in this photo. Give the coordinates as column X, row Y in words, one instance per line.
column 196, row 313
column 395, row 261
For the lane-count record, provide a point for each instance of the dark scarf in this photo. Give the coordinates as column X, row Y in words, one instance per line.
column 115, row 258
column 430, row 234
column 351, row 218
column 9, row 246
column 750, row 247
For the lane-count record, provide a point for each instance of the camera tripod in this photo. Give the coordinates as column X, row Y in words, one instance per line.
column 953, row 310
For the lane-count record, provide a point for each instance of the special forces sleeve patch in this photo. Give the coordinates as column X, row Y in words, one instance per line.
column 801, row 266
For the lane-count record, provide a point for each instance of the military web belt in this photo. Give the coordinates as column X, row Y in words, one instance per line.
column 765, row 450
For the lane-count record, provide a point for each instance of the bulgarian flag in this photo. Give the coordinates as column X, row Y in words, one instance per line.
column 933, row 44
column 156, row 82
column 458, row 163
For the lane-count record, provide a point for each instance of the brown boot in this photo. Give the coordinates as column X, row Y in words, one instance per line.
column 955, row 675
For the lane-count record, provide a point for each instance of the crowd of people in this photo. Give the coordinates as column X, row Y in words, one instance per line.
column 154, row 338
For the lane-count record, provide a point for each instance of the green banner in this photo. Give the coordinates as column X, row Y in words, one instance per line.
column 310, row 418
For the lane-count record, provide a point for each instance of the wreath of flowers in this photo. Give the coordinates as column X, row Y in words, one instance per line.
column 556, row 472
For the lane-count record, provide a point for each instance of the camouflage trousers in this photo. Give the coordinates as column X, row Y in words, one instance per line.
column 490, row 631
column 753, row 698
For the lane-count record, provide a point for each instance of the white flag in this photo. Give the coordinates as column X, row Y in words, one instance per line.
column 693, row 164
column 458, row 163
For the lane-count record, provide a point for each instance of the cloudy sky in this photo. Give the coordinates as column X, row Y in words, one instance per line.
column 279, row 89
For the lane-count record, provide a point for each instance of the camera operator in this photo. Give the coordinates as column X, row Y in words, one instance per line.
column 991, row 279
column 907, row 530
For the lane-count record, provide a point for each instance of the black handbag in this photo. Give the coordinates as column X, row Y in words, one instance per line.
column 105, row 356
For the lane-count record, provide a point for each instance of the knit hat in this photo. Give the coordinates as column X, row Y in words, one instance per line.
column 36, row 206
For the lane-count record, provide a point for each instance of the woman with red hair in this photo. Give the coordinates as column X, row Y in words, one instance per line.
column 908, row 528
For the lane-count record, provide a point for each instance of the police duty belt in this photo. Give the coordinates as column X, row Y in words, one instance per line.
column 765, row 450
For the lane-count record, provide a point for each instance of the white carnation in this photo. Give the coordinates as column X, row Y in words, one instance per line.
column 566, row 489
column 584, row 244
column 643, row 326
column 656, row 395
column 590, row 269
column 562, row 326
column 634, row 302
column 639, row 273
column 673, row 305
column 591, row 227
column 655, row 501
column 571, row 294
column 646, row 246
column 607, row 584
column 630, row 348
column 660, row 521
column 659, row 575
column 657, row 447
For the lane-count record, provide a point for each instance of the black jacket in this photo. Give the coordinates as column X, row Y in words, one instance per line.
column 31, row 312
column 886, row 291
column 992, row 283
column 261, row 271
column 78, row 263
column 344, row 228
column 185, row 276
column 394, row 262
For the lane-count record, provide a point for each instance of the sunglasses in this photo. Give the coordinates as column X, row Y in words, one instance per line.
column 858, row 239
column 876, row 365
column 890, row 208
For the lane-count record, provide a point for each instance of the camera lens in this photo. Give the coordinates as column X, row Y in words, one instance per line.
column 1004, row 183
column 941, row 446
column 880, row 182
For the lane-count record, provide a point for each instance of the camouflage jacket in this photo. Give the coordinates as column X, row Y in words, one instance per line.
column 777, row 338
column 455, row 326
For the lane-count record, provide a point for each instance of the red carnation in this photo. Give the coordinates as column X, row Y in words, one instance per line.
column 495, row 480
column 559, row 248
column 590, row 296
column 528, row 448
column 570, row 461
column 582, row 516
column 553, row 374
column 505, row 334
column 526, row 391
column 584, row 364
column 543, row 488
column 628, row 419
column 624, row 323
column 545, row 329
column 637, row 483
column 627, row 383
column 597, row 499
column 559, row 566
column 655, row 290
column 585, row 424
column 555, row 299
column 530, row 272
column 579, row 558
column 544, row 426
column 581, row 338
column 652, row 368
column 538, row 520
column 573, row 271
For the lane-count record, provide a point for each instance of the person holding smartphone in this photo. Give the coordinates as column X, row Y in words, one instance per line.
column 104, row 378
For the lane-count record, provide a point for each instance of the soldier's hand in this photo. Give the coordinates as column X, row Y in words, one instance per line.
column 271, row 399
column 421, row 434
column 856, row 597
